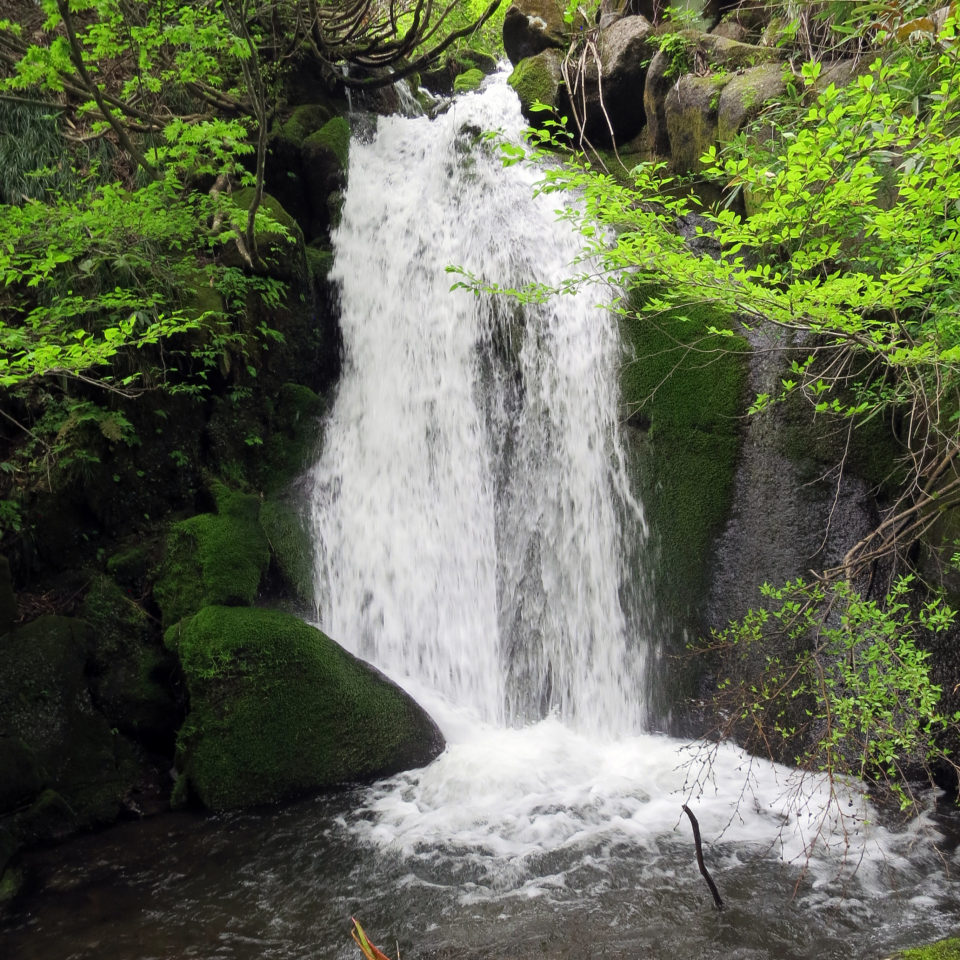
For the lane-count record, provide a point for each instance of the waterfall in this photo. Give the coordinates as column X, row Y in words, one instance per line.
column 471, row 505
column 473, row 521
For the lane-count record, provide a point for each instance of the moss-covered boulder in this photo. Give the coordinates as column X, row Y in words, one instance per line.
column 53, row 743
column 280, row 247
column 468, row 81
column 325, row 154
column 304, row 120
column 530, row 26
column 614, row 108
column 538, row 79
column 291, row 547
column 704, row 63
column 277, row 710
column 213, row 558
column 683, row 390
column 691, row 115
column 132, row 677
column 745, row 96
column 285, row 174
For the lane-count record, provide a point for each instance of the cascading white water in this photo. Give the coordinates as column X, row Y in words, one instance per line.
column 471, row 498
column 471, row 511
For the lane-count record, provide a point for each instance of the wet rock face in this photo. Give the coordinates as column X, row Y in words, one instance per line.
column 530, row 26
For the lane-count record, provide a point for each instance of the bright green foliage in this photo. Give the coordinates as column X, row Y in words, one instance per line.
column 852, row 248
column 850, row 684
column 86, row 278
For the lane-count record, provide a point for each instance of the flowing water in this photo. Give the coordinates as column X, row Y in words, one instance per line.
column 478, row 541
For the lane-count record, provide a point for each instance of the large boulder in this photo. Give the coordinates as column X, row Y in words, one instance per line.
column 609, row 96
column 62, row 766
column 538, row 79
column 277, row 710
column 690, row 114
column 530, row 26
column 745, row 96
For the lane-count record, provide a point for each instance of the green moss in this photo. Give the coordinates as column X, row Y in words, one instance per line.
column 270, row 205
column 213, row 558
column 291, row 546
column 941, row 950
column 130, row 674
column 537, row 80
column 468, row 80
column 278, row 709
column 334, row 136
column 683, row 389
column 305, row 119
column 319, row 261
column 294, row 436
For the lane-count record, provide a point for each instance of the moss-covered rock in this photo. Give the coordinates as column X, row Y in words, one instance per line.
column 291, row 547
column 325, row 155
column 745, row 96
column 213, row 558
column 54, row 741
column 333, row 137
column 538, row 79
column 683, row 389
column 319, row 261
column 304, row 120
column 690, row 113
column 132, row 677
column 705, row 63
column 948, row 949
column 277, row 709
column 281, row 251
column 468, row 80
column 530, row 26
